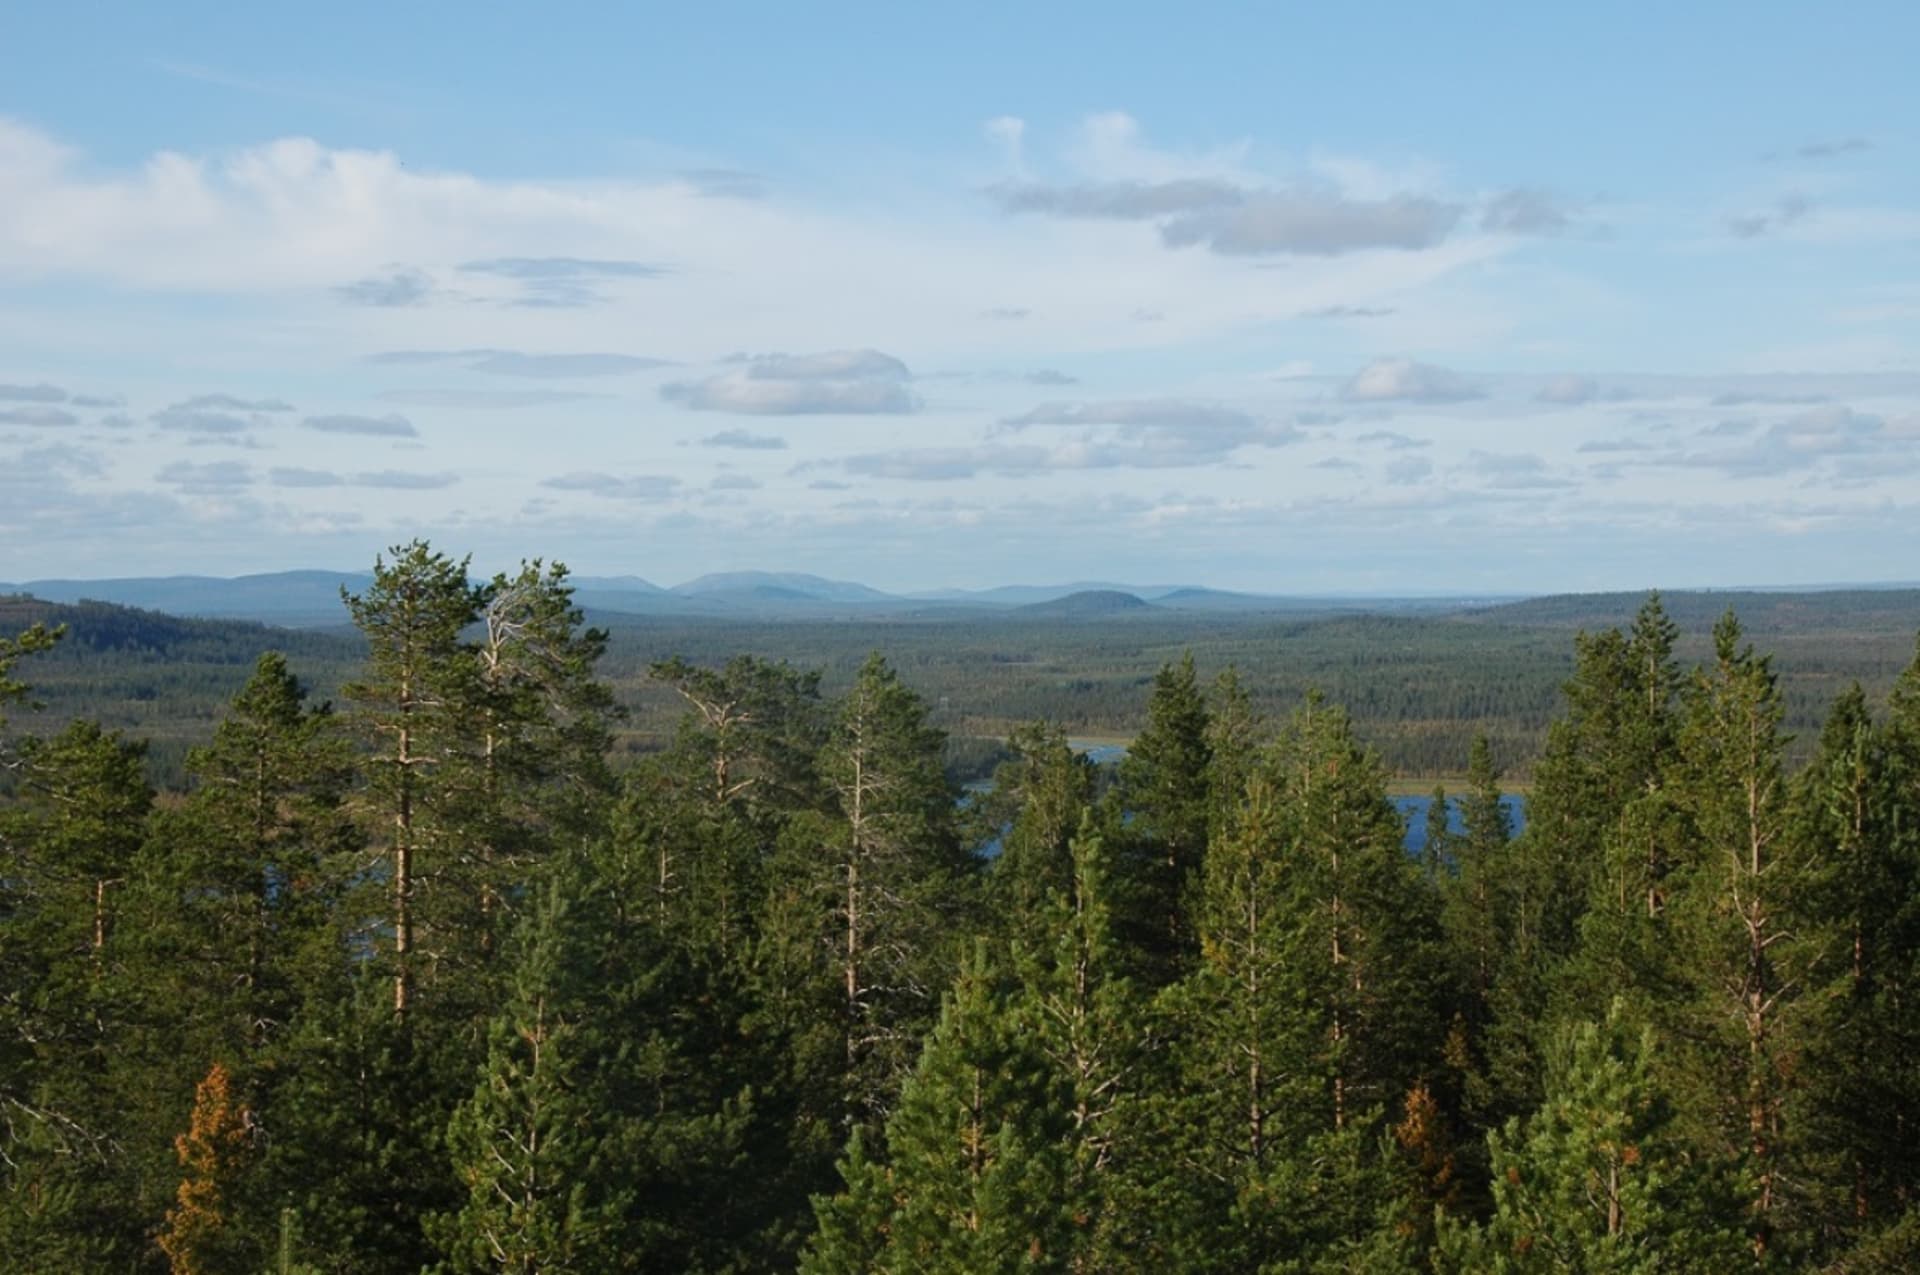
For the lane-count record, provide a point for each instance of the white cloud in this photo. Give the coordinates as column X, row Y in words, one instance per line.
column 837, row 382
column 1403, row 380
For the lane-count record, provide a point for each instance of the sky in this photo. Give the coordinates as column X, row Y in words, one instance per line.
column 1354, row 298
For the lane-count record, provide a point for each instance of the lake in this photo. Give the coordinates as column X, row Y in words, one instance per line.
column 1413, row 810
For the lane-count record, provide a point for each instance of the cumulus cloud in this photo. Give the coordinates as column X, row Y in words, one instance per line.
column 230, row 403
column 1006, row 313
column 38, row 416
column 745, row 440
column 1404, row 380
column 1524, row 211
column 205, row 424
column 391, row 426
column 1313, row 223
column 1788, row 211
column 1394, row 442
column 98, row 400
column 61, row 460
column 561, row 282
column 734, row 482
column 394, row 479
column 1522, row 471
column 1236, row 220
column 639, row 487
column 836, row 382
column 1048, row 376
column 401, row 287
column 214, row 478
column 1603, row 446
column 290, row 476
column 32, row 394
column 1802, row 442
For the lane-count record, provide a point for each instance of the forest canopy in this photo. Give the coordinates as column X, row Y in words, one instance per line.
column 431, row 974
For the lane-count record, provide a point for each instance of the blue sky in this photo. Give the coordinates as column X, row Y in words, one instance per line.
column 1360, row 297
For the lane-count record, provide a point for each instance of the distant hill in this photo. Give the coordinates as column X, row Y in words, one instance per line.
column 796, row 584
column 293, row 598
column 1856, row 610
column 1089, row 604
column 1018, row 595
column 1225, row 600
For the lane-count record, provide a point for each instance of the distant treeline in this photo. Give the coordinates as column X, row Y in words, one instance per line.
column 1420, row 688
column 433, row 978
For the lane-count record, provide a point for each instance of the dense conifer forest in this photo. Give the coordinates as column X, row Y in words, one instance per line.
column 428, row 975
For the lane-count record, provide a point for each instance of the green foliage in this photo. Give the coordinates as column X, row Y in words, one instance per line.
column 1164, row 790
column 1214, row 1019
column 978, row 1163
column 1599, row 1178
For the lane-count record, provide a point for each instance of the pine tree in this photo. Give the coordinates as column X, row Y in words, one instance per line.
column 1164, row 792
column 69, row 1139
column 526, row 1144
column 1600, row 1178
column 542, row 722
column 1614, row 748
column 420, row 675
column 1862, row 1100
column 703, row 817
column 238, row 884
column 1083, row 1013
column 1747, row 954
column 1040, row 795
column 1235, row 734
column 12, row 650
column 896, row 876
column 978, row 1155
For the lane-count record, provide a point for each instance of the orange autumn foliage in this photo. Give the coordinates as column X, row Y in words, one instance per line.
column 215, row 1140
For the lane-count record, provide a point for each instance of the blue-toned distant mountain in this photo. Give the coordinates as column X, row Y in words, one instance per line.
column 1088, row 604
column 311, row 599
column 293, row 598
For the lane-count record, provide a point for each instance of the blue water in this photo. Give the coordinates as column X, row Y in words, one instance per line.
column 1414, row 811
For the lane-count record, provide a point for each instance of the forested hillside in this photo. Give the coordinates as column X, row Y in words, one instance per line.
column 1419, row 687
column 433, row 977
